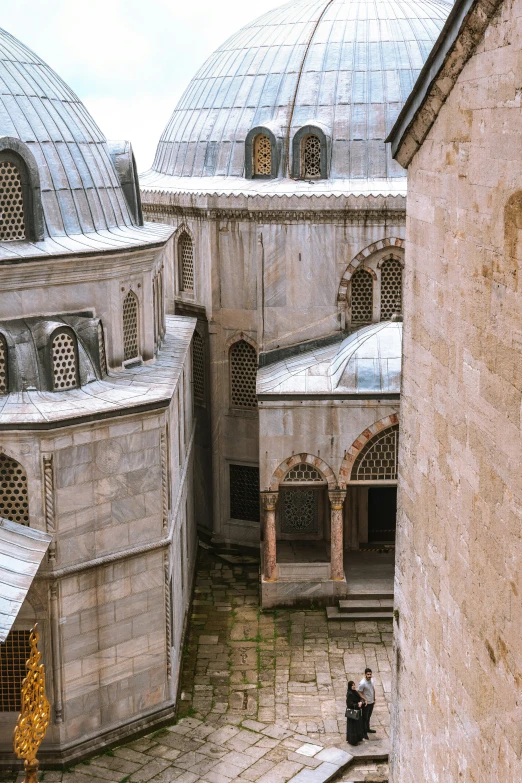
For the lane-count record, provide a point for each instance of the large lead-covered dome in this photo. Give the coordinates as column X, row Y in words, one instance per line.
column 345, row 65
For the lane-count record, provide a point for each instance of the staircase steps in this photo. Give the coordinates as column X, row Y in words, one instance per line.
column 363, row 606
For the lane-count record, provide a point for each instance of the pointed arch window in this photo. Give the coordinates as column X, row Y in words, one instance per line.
column 12, row 214
column 262, row 156
column 243, row 374
column 131, row 348
column 391, row 288
column 186, row 263
column 377, row 461
column 4, row 368
column 64, row 361
column 362, row 297
column 14, row 500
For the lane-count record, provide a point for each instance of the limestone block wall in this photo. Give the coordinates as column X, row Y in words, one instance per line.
column 459, row 556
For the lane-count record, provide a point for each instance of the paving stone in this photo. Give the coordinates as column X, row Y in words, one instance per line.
column 309, row 750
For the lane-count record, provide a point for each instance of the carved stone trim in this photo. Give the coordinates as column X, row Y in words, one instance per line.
column 337, row 497
column 168, row 599
column 56, row 653
column 164, row 479
column 269, row 500
column 50, row 523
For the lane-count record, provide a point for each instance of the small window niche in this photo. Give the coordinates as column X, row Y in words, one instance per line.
column 261, row 154
column 310, row 153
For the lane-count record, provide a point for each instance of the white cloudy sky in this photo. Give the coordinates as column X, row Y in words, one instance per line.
column 128, row 60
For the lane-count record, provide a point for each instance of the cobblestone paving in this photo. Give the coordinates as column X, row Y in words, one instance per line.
column 262, row 693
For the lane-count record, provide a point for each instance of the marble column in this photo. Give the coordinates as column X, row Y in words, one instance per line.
column 269, row 500
column 336, row 534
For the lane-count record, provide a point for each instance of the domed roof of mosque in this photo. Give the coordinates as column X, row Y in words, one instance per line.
column 368, row 361
column 78, row 184
column 346, row 66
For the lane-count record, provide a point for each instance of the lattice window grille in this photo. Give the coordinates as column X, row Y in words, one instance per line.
column 243, row 373
column 244, row 493
column 198, row 366
column 299, row 511
column 391, row 288
column 362, row 296
column 12, row 223
column 130, row 327
column 303, row 472
column 101, row 350
column 186, row 263
column 4, row 376
column 64, row 362
column 13, row 656
column 378, row 459
column 262, row 156
column 14, row 501
column 311, row 157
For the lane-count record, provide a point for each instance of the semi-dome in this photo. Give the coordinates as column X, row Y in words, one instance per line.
column 368, row 361
column 341, row 67
column 53, row 151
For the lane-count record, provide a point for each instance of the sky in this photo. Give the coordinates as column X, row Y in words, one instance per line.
column 128, row 60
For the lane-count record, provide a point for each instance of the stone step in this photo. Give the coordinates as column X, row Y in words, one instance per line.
column 370, row 596
column 366, row 605
column 333, row 613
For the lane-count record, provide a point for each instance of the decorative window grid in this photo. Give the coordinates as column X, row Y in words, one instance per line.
column 299, row 511
column 243, row 373
column 101, row 350
column 13, row 656
column 303, row 472
column 130, row 327
column 311, row 157
column 378, row 459
column 362, row 296
column 244, row 493
column 4, row 375
column 262, row 155
column 186, row 263
column 12, row 223
column 63, row 351
column 198, row 366
column 391, row 288
column 14, row 501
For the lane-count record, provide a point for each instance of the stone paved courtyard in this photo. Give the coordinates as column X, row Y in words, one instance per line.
column 262, row 693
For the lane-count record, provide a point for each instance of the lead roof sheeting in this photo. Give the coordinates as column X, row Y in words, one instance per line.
column 359, row 53
column 22, row 550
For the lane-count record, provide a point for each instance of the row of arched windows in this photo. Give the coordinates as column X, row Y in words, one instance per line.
column 242, row 370
column 309, row 159
column 362, row 292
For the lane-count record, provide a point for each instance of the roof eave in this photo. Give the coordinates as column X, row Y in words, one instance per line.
column 464, row 28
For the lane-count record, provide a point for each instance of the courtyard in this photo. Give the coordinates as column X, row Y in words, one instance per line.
column 262, row 694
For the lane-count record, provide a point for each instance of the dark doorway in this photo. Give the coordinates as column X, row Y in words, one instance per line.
column 382, row 513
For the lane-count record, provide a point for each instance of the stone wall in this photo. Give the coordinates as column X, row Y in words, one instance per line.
column 458, row 675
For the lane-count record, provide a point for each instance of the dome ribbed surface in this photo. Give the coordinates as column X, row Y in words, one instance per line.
column 348, row 64
column 81, row 192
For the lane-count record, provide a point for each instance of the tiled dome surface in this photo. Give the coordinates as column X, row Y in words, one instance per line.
column 349, row 64
column 81, row 192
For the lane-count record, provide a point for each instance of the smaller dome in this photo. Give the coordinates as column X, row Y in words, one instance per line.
column 366, row 362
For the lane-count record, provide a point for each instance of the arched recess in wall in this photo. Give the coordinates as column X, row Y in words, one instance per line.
column 261, row 154
column 242, row 364
column 131, row 332
column 185, row 261
column 359, row 444
column 393, row 243
column 14, row 497
column 391, row 269
column 20, row 192
column 63, row 348
column 294, row 463
column 311, row 153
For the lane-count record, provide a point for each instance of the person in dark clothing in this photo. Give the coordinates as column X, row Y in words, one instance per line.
column 354, row 728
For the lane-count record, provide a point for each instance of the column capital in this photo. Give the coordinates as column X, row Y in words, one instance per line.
column 337, row 497
column 269, row 500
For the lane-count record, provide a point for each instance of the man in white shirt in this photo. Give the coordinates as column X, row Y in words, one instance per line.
column 367, row 690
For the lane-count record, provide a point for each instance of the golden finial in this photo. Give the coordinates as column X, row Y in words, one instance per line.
column 35, row 713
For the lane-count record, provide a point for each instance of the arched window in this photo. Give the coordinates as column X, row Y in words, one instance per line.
column 186, row 262
column 101, row 350
column 4, row 369
column 362, row 297
column 12, row 217
column 303, row 473
column 243, row 373
column 131, row 348
column 377, row 461
column 198, row 366
column 14, row 502
column 13, row 655
column 311, row 157
column 64, row 361
column 391, row 288
column 262, row 156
